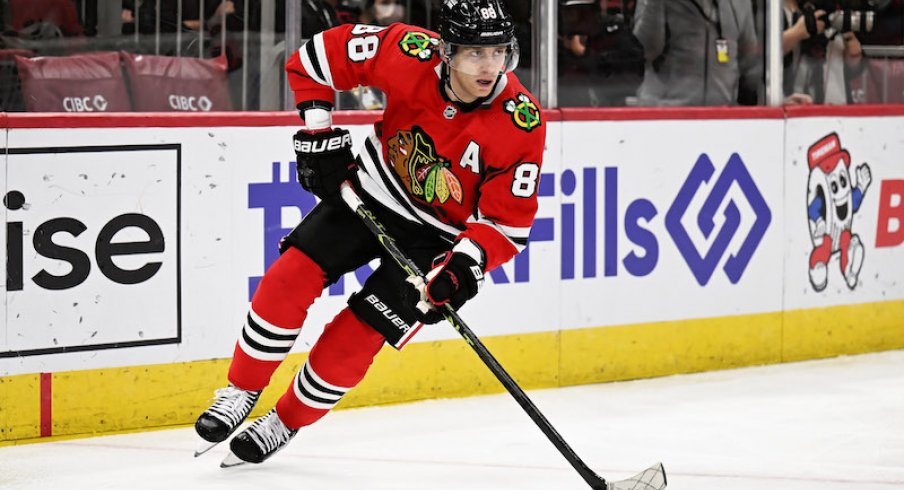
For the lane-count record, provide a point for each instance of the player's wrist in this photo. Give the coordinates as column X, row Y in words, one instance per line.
column 318, row 119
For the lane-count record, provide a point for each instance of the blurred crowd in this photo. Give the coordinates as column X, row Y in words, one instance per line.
column 610, row 52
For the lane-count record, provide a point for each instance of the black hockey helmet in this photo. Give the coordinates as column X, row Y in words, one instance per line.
column 478, row 23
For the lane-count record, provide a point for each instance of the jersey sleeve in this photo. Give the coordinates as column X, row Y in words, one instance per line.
column 508, row 203
column 343, row 58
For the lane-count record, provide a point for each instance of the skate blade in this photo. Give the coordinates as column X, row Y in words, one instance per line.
column 231, row 460
column 652, row 478
column 204, row 446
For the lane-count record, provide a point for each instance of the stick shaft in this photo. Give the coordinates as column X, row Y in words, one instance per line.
column 354, row 202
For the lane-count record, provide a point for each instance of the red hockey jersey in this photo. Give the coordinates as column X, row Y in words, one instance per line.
column 468, row 174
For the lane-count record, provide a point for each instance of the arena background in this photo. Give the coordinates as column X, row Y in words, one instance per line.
column 667, row 241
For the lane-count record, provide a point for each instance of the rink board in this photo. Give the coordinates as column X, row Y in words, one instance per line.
column 666, row 242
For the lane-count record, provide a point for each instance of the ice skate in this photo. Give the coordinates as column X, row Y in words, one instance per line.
column 262, row 439
column 230, row 408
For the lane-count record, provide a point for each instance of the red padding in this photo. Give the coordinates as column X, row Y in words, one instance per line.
column 180, row 84
column 78, row 83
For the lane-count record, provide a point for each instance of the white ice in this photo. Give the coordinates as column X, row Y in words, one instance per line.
column 834, row 424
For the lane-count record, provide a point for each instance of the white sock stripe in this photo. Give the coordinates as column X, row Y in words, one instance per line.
column 259, row 355
column 312, row 392
column 321, row 382
column 320, row 49
column 307, row 401
column 310, row 381
column 268, row 342
column 271, row 327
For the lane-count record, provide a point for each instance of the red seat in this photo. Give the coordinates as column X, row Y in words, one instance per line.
column 79, row 83
column 166, row 83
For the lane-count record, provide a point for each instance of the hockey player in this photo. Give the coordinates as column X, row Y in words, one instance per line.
column 451, row 170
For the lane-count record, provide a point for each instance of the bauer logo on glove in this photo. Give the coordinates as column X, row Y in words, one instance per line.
column 329, row 144
column 324, row 160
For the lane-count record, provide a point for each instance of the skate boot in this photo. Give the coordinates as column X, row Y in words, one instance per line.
column 262, row 439
column 218, row 422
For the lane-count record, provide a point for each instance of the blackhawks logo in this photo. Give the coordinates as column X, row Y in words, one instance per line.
column 525, row 113
column 418, row 45
column 425, row 174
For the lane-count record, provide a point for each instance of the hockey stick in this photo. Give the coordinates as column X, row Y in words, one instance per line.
column 653, row 478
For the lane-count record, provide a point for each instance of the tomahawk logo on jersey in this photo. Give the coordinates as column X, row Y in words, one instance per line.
column 469, row 172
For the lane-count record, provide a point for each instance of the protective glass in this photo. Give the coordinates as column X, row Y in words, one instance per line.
column 481, row 60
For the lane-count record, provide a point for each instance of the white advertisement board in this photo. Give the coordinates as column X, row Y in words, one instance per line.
column 92, row 248
column 672, row 220
column 845, row 215
column 639, row 221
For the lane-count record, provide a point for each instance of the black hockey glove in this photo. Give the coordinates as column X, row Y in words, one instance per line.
column 324, row 159
column 454, row 279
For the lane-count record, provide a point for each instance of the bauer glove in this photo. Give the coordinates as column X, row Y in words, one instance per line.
column 324, row 159
column 455, row 278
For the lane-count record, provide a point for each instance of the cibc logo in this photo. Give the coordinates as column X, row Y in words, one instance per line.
column 104, row 249
column 190, row 103
column 85, row 104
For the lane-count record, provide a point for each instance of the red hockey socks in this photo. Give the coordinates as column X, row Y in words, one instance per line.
column 274, row 321
column 336, row 364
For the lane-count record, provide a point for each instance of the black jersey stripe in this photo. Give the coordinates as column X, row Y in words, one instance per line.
column 315, row 62
column 263, row 332
column 390, row 182
column 387, row 183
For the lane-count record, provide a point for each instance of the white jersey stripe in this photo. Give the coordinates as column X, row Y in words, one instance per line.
column 378, row 174
column 320, row 49
column 510, row 233
column 308, row 66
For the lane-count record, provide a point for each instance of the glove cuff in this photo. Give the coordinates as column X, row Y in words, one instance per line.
column 469, row 247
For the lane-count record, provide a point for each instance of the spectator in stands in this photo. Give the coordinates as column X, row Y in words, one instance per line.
column 214, row 12
column 600, row 62
column 317, row 16
column 819, row 61
column 698, row 52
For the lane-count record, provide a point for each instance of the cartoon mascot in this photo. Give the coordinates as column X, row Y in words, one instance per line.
column 832, row 200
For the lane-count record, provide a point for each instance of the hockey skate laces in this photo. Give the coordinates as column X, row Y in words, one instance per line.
column 269, row 432
column 232, row 404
